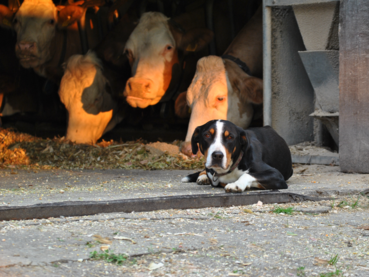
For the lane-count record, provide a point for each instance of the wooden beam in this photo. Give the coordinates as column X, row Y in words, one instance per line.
column 197, row 201
column 354, row 86
column 295, row 2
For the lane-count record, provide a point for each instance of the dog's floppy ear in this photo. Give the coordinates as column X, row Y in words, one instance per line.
column 243, row 137
column 195, row 140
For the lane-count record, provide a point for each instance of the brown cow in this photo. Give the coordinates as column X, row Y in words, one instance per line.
column 221, row 89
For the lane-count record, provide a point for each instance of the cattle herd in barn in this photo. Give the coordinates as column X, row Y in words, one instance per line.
column 100, row 63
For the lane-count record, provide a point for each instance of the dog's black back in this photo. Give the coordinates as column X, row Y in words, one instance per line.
column 273, row 148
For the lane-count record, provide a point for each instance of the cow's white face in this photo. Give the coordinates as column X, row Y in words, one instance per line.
column 208, row 94
column 35, row 25
column 151, row 50
column 82, row 91
column 221, row 90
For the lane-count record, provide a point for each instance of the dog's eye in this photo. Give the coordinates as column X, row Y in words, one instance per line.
column 207, row 135
column 230, row 137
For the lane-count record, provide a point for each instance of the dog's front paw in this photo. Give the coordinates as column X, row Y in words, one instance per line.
column 234, row 187
column 203, row 180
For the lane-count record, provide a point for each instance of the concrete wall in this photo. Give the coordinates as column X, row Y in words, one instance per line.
column 292, row 92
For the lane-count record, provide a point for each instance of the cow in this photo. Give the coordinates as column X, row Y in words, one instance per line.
column 92, row 85
column 84, row 90
column 156, row 50
column 227, row 87
column 18, row 87
column 47, row 35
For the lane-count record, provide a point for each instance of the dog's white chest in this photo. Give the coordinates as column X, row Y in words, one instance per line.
column 232, row 177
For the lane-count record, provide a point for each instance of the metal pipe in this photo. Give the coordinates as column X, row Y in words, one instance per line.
column 209, row 23
column 267, row 64
column 83, row 33
column 231, row 21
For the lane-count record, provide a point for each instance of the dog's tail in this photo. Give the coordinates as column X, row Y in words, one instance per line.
column 191, row 178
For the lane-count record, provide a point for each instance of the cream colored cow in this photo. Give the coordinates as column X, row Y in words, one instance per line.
column 221, row 89
column 91, row 108
column 153, row 50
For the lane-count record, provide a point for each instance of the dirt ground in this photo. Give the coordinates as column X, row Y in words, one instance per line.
column 326, row 238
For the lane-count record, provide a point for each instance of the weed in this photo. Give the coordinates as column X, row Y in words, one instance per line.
column 344, row 203
column 92, row 243
column 118, row 259
column 241, row 272
column 301, row 271
column 55, row 264
column 356, row 203
column 333, row 260
column 331, row 274
column 217, row 215
column 279, row 210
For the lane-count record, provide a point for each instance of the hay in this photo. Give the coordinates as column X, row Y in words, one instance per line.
column 19, row 150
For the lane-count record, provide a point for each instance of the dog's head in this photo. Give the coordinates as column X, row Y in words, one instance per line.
column 221, row 143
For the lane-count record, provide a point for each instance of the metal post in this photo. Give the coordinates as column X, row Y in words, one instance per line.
column 83, row 33
column 209, row 23
column 267, row 64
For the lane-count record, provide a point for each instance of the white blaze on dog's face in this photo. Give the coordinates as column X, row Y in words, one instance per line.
column 216, row 154
column 220, row 142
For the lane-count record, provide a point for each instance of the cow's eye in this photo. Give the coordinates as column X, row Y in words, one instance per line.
column 169, row 47
column 127, row 53
column 15, row 21
column 221, row 98
column 51, row 21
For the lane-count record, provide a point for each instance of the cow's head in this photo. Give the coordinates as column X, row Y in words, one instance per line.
column 36, row 23
column 221, row 90
column 154, row 49
column 83, row 92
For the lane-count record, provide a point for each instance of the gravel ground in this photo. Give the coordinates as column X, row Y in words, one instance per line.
column 326, row 239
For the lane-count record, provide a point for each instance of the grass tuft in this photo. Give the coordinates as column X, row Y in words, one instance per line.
column 331, row 274
column 333, row 260
column 279, row 210
column 109, row 257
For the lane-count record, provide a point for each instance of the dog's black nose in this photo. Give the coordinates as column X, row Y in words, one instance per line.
column 217, row 156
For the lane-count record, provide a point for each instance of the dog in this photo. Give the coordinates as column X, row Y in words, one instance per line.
column 238, row 159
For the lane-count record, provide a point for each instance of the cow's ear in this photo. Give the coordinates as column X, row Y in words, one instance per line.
column 195, row 140
column 252, row 89
column 68, row 15
column 195, row 39
column 6, row 17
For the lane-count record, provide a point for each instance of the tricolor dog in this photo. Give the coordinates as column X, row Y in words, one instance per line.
column 238, row 159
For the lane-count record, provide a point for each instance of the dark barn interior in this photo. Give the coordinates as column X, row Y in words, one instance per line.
column 37, row 109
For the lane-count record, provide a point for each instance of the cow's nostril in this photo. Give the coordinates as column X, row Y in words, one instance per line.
column 217, row 155
column 129, row 85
